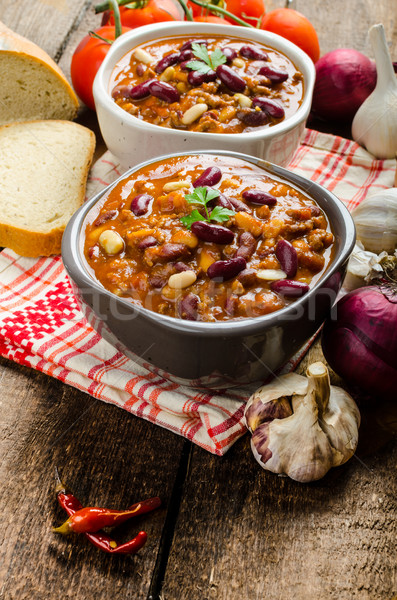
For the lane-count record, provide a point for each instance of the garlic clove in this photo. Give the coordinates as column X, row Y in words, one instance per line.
column 375, row 123
column 375, row 219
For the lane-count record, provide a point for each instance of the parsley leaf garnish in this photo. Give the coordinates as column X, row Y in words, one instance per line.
column 202, row 196
column 220, row 214
column 192, row 218
column 207, row 62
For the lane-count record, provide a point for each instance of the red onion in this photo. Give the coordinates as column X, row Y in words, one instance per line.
column 361, row 344
column 344, row 79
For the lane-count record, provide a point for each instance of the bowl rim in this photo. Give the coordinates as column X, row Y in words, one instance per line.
column 128, row 40
column 74, row 261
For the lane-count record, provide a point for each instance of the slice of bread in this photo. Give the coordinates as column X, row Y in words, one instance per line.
column 43, row 174
column 32, row 84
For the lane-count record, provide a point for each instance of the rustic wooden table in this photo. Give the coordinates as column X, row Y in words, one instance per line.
column 227, row 529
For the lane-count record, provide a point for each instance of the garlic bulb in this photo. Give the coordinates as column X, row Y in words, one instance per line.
column 302, row 426
column 375, row 219
column 375, row 123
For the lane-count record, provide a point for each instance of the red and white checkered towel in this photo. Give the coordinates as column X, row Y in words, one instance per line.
column 42, row 327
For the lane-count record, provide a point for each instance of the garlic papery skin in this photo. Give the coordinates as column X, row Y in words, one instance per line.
column 375, row 219
column 302, row 426
column 375, row 123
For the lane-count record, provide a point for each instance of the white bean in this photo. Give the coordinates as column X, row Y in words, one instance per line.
column 238, row 62
column 193, row 113
column 111, row 241
column 182, row 280
column 271, row 274
column 243, row 100
column 172, row 186
column 143, row 56
column 168, row 74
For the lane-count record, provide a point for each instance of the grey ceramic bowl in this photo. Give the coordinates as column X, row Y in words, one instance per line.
column 220, row 354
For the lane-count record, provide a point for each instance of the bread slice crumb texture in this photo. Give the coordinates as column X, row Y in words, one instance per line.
column 43, row 173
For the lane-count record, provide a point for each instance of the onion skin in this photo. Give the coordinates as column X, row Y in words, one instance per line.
column 344, row 79
column 361, row 344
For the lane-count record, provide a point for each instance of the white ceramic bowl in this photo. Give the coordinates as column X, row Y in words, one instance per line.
column 132, row 140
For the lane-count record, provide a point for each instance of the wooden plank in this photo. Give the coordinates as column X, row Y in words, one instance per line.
column 45, row 22
column 243, row 532
column 107, row 456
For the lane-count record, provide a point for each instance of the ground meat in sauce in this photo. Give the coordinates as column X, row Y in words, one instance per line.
column 156, row 260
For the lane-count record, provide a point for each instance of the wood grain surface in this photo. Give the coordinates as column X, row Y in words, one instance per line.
column 227, row 529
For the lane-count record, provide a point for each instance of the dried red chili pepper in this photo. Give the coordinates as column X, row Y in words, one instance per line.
column 101, row 540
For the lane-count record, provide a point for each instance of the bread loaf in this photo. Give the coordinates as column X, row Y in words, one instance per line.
column 43, row 173
column 32, row 86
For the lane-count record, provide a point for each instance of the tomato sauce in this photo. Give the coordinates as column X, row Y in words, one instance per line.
column 209, row 84
column 252, row 249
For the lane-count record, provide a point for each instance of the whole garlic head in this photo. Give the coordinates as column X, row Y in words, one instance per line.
column 302, row 426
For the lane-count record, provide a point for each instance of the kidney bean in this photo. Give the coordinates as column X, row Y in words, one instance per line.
column 140, row 204
column 247, row 277
column 195, row 78
column 104, row 217
column 141, row 90
column 209, row 177
column 167, row 61
column 253, row 52
column 230, row 53
column 187, row 45
column 247, row 245
column 290, row 287
column 209, row 232
column 274, row 75
column 164, row 91
column 223, row 201
column 188, row 307
column 171, row 251
column 231, row 305
column 147, row 242
column 183, row 65
column 140, row 69
column 121, row 91
column 252, row 118
column 269, row 106
column 157, row 280
column 186, row 55
column 238, row 205
column 287, row 257
column 259, row 197
column 315, row 210
column 224, row 270
column 230, row 78
column 180, row 266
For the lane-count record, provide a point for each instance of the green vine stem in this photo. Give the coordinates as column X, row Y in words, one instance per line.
column 117, row 21
column 186, row 10
column 217, row 9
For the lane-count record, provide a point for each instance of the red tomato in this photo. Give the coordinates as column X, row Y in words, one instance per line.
column 197, row 11
column 154, row 11
column 86, row 61
column 211, row 19
column 250, row 11
column 295, row 27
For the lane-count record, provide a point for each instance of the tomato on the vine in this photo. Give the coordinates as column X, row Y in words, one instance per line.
column 86, row 61
column 211, row 19
column 250, row 11
column 147, row 12
column 295, row 27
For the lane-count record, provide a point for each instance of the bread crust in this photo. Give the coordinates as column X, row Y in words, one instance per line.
column 32, row 243
column 13, row 43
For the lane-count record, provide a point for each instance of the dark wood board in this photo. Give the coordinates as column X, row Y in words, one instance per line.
column 107, row 456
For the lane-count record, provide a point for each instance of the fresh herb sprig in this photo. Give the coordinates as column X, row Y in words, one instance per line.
column 202, row 196
column 207, row 62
